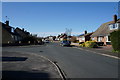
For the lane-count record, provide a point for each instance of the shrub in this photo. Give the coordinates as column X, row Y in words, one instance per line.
column 115, row 51
column 115, row 40
column 91, row 44
column 29, row 38
column 82, row 45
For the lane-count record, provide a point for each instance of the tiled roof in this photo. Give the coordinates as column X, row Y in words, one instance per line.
column 118, row 21
column 103, row 30
column 85, row 34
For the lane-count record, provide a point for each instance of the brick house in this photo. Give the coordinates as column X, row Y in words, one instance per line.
column 22, row 32
column 84, row 37
column 8, row 35
column 102, row 34
column 51, row 38
column 62, row 37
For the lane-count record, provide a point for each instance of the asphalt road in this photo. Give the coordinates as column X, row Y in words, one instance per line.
column 74, row 62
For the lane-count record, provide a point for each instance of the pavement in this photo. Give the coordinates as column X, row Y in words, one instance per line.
column 27, row 66
column 107, row 50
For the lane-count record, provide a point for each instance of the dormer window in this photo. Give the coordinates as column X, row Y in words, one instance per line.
column 114, row 26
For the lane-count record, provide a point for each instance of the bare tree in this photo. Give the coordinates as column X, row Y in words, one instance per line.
column 68, row 31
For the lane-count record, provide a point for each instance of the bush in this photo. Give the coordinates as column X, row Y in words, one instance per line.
column 82, row 45
column 115, row 51
column 30, row 39
column 115, row 40
column 90, row 44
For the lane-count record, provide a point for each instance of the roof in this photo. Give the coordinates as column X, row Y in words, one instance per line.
column 21, row 32
column 85, row 34
column 63, row 35
column 88, row 34
column 5, row 28
column 118, row 21
column 80, row 35
column 103, row 30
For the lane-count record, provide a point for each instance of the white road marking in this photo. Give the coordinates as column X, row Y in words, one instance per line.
column 99, row 53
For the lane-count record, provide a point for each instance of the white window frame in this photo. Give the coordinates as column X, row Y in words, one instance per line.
column 107, row 39
column 100, row 38
column 114, row 26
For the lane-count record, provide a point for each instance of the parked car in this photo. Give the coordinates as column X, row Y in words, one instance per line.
column 65, row 43
column 46, row 41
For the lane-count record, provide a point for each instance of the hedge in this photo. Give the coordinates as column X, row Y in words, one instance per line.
column 115, row 40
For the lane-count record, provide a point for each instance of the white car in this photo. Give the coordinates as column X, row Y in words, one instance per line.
column 46, row 41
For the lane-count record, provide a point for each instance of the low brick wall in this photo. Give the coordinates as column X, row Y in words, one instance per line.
column 75, row 44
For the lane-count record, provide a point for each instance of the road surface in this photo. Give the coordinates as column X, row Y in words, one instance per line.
column 74, row 62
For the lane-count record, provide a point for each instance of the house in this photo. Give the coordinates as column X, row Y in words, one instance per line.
column 63, row 36
column 21, row 32
column 84, row 37
column 102, row 34
column 8, row 35
column 51, row 38
column 11, row 35
column 73, row 39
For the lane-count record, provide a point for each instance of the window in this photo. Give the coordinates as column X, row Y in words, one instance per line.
column 114, row 26
column 12, row 36
column 12, row 29
column 108, row 38
column 99, row 39
column 83, row 38
column 117, row 25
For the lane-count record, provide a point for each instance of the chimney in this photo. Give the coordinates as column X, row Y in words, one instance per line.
column 85, row 32
column 23, row 29
column 7, row 23
column 115, row 18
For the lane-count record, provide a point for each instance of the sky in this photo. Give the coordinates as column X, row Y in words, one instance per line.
column 52, row 18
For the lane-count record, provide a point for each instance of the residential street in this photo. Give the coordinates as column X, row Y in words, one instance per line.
column 74, row 62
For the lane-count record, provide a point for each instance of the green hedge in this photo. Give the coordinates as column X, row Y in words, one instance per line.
column 29, row 38
column 115, row 40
